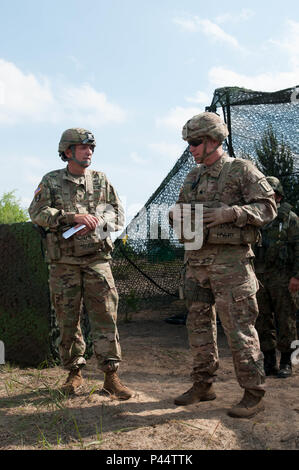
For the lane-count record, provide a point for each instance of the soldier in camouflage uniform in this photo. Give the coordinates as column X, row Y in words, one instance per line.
column 80, row 265
column 237, row 200
column 277, row 268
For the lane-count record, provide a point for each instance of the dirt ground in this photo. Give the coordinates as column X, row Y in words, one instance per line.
column 157, row 365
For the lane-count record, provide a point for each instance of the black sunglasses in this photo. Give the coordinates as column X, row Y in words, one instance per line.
column 195, row 143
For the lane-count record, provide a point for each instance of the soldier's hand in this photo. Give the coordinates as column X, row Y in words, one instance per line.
column 90, row 221
column 294, row 284
column 179, row 212
column 217, row 216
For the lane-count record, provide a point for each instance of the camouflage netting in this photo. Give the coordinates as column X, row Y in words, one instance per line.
column 28, row 325
column 148, row 271
column 24, row 296
column 249, row 113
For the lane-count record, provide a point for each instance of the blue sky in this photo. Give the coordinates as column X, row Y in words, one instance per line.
column 132, row 72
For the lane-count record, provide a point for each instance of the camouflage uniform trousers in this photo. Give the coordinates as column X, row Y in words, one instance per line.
column 70, row 285
column 276, row 323
column 233, row 287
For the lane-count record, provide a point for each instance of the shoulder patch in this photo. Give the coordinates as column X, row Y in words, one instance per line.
column 266, row 186
column 38, row 190
column 37, row 193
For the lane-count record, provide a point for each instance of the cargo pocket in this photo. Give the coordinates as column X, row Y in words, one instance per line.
column 245, row 290
column 53, row 248
column 104, row 272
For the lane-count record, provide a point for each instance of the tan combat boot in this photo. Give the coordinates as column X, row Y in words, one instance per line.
column 198, row 392
column 251, row 404
column 113, row 386
column 73, row 382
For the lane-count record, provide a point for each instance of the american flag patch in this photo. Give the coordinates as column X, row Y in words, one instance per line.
column 37, row 191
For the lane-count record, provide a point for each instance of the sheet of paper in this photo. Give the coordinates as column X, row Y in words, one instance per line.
column 72, row 231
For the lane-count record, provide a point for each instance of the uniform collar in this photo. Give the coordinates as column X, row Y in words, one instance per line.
column 215, row 169
column 74, row 179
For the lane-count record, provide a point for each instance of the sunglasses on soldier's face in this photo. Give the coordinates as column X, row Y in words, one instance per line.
column 195, row 143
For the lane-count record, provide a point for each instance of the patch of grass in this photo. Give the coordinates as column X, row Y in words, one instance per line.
column 42, row 441
column 78, row 433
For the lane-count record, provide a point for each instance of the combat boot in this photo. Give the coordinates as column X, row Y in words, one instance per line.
column 251, row 404
column 285, row 366
column 198, row 392
column 113, row 386
column 270, row 363
column 73, row 382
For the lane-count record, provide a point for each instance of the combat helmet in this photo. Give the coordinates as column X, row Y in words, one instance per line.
column 74, row 136
column 276, row 185
column 205, row 124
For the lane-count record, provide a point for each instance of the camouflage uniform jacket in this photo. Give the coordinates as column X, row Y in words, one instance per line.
column 280, row 244
column 60, row 196
column 244, row 187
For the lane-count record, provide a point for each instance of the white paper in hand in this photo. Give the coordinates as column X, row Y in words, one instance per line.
column 72, row 231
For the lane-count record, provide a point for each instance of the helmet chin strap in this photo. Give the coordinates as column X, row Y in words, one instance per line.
column 83, row 164
column 205, row 154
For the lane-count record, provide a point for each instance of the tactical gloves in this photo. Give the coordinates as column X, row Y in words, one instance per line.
column 219, row 215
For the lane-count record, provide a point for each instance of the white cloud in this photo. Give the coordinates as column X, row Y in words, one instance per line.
column 1, row 93
column 177, row 117
column 200, row 97
column 23, row 96
column 171, row 151
column 135, row 157
column 207, row 27
column 214, row 31
column 290, row 43
column 267, row 81
column 93, row 105
column 244, row 15
column 186, row 25
column 221, row 76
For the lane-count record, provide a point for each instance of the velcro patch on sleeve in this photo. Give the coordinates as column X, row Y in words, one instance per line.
column 37, row 193
column 266, row 186
column 38, row 190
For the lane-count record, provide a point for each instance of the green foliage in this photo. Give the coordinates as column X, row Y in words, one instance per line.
column 275, row 158
column 10, row 209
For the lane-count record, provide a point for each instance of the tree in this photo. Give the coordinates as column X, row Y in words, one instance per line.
column 275, row 158
column 10, row 209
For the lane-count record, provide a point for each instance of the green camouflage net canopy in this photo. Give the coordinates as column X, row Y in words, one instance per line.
column 249, row 113
column 147, row 270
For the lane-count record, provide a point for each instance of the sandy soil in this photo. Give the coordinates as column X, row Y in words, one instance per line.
column 157, row 365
